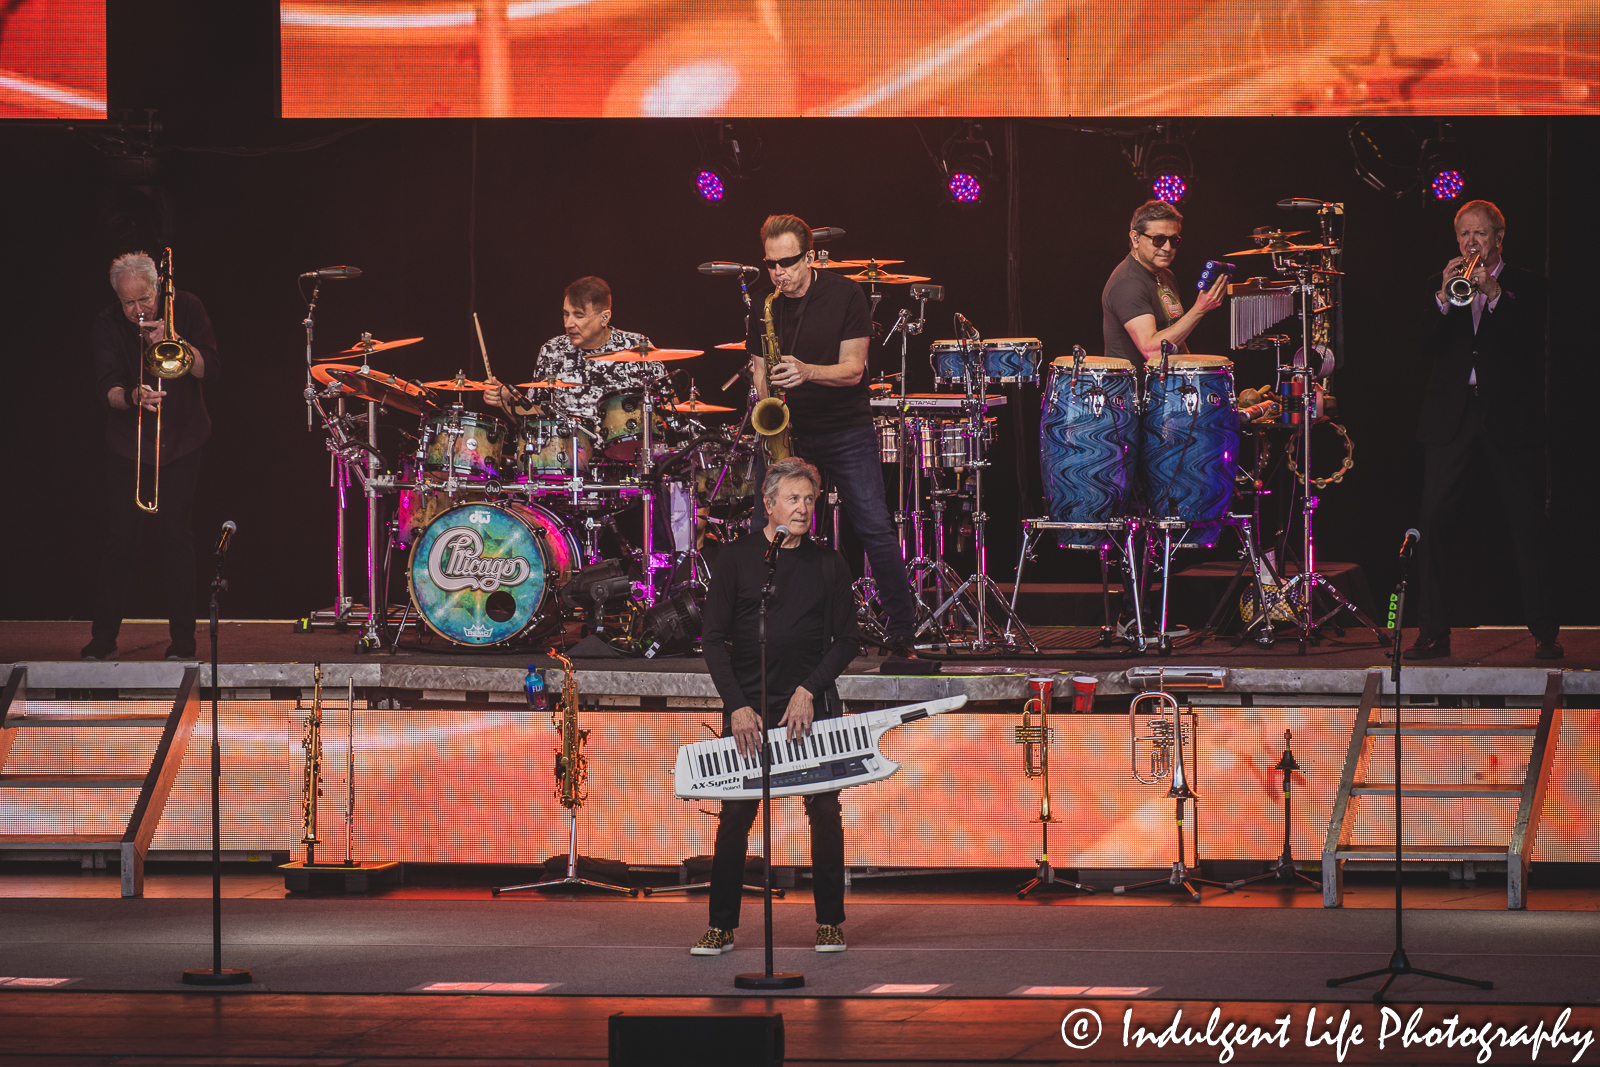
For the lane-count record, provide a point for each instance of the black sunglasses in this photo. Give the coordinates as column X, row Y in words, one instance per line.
column 1160, row 239
column 786, row 262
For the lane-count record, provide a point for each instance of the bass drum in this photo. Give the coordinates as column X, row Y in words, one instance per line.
column 1089, row 445
column 1190, row 445
column 482, row 574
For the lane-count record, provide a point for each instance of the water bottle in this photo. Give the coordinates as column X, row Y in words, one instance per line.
column 534, row 686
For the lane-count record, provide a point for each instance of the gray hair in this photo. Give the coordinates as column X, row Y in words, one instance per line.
column 1497, row 221
column 1153, row 211
column 793, row 467
column 137, row 263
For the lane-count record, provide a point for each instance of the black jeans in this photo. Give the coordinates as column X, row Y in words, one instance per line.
column 1517, row 471
column 827, row 858
column 173, row 526
column 850, row 460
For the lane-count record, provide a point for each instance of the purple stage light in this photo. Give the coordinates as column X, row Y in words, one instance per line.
column 709, row 186
column 1169, row 187
column 1447, row 184
column 965, row 189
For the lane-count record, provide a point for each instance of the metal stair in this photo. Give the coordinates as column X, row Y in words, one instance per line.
column 154, row 786
column 1516, row 855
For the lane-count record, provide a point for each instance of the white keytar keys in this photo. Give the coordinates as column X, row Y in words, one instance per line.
column 839, row 753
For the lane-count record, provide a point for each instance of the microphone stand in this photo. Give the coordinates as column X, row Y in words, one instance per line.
column 769, row 979
column 1399, row 962
column 217, row 974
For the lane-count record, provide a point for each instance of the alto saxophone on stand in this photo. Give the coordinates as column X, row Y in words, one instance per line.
column 770, row 416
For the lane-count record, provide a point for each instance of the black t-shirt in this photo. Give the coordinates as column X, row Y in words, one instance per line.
column 833, row 310
column 118, row 352
column 797, row 650
column 1131, row 291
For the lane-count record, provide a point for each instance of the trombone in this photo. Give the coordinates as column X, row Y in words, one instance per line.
column 1461, row 289
column 170, row 357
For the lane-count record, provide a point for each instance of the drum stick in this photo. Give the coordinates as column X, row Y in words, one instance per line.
column 487, row 373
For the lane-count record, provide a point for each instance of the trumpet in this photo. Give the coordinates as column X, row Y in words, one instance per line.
column 170, row 357
column 1166, row 736
column 1035, row 741
column 1461, row 289
column 770, row 417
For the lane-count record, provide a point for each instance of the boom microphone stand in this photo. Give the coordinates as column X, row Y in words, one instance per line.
column 217, row 974
column 1399, row 962
column 770, row 979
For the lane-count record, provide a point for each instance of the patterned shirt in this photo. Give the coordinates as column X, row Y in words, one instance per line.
column 560, row 358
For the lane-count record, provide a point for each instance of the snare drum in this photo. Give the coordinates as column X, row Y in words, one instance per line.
column 472, row 446
column 1190, row 443
column 622, row 425
column 1005, row 359
column 553, row 449
column 1089, row 445
column 484, row 573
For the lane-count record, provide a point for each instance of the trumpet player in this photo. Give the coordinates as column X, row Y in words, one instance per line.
column 823, row 326
column 119, row 336
column 1483, row 335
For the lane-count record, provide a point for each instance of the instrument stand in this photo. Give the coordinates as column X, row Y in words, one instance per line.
column 572, row 871
column 1285, row 871
column 1028, row 735
column 1179, row 792
column 770, row 979
column 1127, row 532
column 217, row 974
column 1399, row 962
column 371, row 639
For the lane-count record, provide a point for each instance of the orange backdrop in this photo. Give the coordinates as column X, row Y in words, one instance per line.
column 53, row 60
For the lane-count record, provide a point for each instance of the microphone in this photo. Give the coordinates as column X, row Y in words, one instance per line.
column 778, row 537
column 1300, row 203
column 1412, row 537
column 965, row 328
column 229, row 528
column 332, row 273
column 826, row 233
column 1167, row 350
column 899, row 324
column 717, row 266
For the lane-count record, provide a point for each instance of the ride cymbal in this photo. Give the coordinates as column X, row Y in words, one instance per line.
column 457, row 385
column 369, row 346
column 882, row 277
column 651, row 355
column 696, row 407
column 550, row 383
column 859, row 264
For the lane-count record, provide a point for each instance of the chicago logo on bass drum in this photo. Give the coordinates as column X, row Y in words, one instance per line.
column 457, row 562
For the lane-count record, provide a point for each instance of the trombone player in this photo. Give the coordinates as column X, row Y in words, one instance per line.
column 119, row 336
column 1483, row 334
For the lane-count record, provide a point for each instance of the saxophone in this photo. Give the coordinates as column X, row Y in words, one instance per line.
column 313, row 784
column 770, row 417
column 572, row 766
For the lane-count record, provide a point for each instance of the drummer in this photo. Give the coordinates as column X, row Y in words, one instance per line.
column 1140, row 306
column 586, row 315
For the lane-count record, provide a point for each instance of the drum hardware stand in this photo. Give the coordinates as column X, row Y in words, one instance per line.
column 1399, row 962
column 1285, row 871
column 1249, row 556
column 1128, row 530
column 342, row 606
column 1036, row 764
column 1167, row 760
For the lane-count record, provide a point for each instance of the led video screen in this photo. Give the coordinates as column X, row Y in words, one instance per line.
column 53, row 59
column 964, row 58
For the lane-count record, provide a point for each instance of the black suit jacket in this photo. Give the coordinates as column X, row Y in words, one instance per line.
column 1508, row 353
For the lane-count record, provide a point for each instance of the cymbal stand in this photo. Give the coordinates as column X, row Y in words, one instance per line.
column 1300, row 591
column 371, row 638
column 980, row 585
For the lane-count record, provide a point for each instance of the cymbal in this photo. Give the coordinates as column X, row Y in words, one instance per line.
column 883, row 277
column 859, row 263
column 457, row 385
column 1270, row 249
column 323, row 372
column 385, row 389
column 733, row 346
column 549, row 383
column 653, row 355
column 880, row 387
column 364, row 348
column 696, row 406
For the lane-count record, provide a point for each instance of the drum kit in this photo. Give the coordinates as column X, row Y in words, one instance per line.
column 497, row 517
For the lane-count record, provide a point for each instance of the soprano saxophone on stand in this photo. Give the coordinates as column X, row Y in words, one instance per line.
column 312, row 744
column 770, row 417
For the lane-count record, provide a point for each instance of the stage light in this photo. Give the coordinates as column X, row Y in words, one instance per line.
column 1446, row 184
column 1440, row 171
column 709, row 184
column 966, row 162
column 1169, row 187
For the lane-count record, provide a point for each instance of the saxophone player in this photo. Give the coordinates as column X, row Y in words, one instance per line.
column 823, row 326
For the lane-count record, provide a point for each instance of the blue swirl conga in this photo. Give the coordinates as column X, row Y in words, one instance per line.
column 1190, row 443
column 483, row 573
column 1089, row 444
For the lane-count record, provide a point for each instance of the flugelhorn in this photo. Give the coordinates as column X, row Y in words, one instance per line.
column 1461, row 289
column 1163, row 739
column 170, row 357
